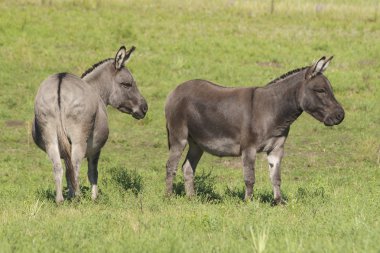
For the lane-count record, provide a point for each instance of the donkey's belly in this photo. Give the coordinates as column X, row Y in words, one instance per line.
column 216, row 136
column 100, row 131
column 220, row 146
column 96, row 142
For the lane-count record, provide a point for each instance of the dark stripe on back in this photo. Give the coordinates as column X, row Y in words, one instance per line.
column 208, row 82
column 60, row 78
column 217, row 85
column 286, row 75
column 88, row 71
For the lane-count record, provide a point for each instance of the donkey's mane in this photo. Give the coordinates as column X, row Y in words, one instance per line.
column 294, row 71
column 88, row 71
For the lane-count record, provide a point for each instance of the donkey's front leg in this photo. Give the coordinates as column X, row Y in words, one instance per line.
column 274, row 160
column 248, row 159
column 92, row 173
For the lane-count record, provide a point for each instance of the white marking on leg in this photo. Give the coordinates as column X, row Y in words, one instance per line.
column 189, row 178
column 274, row 164
column 274, row 160
column 183, row 143
column 187, row 168
column 94, row 191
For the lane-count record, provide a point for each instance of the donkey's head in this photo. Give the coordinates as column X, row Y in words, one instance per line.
column 125, row 96
column 317, row 97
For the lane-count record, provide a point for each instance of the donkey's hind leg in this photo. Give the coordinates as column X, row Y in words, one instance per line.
column 93, row 173
column 190, row 164
column 78, row 152
column 53, row 152
column 69, row 185
column 177, row 146
column 248, row 158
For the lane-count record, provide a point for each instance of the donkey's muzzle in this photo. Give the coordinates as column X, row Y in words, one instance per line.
column 334, row 118
column 141, row 112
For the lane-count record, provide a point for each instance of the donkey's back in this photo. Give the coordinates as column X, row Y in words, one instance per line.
column 64, row 101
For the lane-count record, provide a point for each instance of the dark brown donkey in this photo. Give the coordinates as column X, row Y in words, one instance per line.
column 244, row 121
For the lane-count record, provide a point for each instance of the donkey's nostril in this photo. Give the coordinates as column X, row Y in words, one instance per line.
column 340, row 115
column 144, row 108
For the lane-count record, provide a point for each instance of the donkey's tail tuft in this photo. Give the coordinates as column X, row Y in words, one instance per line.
column 65, row 150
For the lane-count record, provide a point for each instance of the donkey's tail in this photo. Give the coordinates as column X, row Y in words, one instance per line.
column 65, row 150
column 167, row 135
column 63, row 141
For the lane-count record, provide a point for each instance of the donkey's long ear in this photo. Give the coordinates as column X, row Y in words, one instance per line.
column 129, row 53
column 315, row 68
column 119, row 58
column 326, row 64
column 122, row 56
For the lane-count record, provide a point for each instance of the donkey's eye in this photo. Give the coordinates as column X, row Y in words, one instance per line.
column 320, row 90
column 127, row 85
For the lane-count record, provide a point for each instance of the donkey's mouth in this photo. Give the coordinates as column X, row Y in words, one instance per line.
column 318, row 116
column 334, row 119
column 125, row 110
column 136, row 115
column 331, row 121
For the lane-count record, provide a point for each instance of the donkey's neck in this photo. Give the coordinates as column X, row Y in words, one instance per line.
column 100, row 80
column 283, row 103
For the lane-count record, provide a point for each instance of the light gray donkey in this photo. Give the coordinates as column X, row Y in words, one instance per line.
column 70, row 119
column 244, row 121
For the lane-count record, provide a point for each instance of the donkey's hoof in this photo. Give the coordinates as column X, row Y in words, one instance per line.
column 70, row 194
column 279, row 202
column 59, row 200
column 190, row 195
column 248, row 198
column 169, row 192
column 94, row 196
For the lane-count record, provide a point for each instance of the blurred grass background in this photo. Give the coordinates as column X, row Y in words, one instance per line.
column 330, row 175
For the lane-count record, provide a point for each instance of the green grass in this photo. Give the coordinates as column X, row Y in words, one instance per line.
column 330, row 175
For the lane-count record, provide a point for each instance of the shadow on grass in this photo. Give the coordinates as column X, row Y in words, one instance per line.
column 125, row 180
column 238, row 193
column 305, row 194
column 204, row 188
column 49, row 194
column 261, row 196
column 266, row 196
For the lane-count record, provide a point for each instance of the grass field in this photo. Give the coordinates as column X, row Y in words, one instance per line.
column 330, row 176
